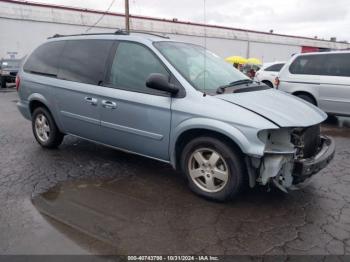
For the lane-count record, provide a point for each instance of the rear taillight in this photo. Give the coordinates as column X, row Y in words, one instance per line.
column 18, row 82
column 277, row 82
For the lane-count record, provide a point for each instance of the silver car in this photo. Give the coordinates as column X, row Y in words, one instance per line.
column 174, row 102
column 322, row 79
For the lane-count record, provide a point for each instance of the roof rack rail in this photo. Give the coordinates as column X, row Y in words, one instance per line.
column 58, row 35
column 118, row 32
column 121, row 31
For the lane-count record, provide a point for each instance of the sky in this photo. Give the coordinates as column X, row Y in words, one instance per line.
column 310, row 18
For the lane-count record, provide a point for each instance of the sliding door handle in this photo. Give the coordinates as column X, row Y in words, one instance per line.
column 91, row 100
column 109, row 104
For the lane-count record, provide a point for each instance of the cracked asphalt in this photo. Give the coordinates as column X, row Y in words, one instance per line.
column 88, row 199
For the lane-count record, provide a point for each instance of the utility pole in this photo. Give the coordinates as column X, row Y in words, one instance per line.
column 127, row 16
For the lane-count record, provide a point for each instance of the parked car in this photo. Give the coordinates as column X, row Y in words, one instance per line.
column 152, row 96
column 322, row 79
column 8, row 71
column 249, row 70
column 268, row 73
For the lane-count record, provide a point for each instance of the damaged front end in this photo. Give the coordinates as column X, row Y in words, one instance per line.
column 291, row 156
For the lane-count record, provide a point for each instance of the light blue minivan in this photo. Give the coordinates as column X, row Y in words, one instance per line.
column 174, row 102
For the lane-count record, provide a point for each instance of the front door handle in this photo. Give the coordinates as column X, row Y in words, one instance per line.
column 91, row 100
column 109, row 104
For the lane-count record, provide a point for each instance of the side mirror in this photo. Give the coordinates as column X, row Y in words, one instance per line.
column 160, row 82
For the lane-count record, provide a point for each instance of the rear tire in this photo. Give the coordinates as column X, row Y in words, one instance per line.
column 214, row 170
column 307, row 98
column 3, row 82
column 45, row 129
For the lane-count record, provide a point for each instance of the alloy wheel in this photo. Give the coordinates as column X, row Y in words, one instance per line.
column 42, row 128
column 208, row 170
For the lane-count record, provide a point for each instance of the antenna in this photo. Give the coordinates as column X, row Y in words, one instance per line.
column 205, row 44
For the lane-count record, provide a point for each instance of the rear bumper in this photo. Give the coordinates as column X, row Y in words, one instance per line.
column 306, row 168
column 23, row 107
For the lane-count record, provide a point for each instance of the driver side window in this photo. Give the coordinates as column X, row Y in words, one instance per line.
column 132, row 65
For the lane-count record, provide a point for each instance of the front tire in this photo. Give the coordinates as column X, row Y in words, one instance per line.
column 45, row 129
column 3, row 82
column 213, row 168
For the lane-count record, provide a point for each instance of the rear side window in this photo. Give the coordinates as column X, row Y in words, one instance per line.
column 84, row 61
column 324, row 65
column 308, row 65
column 274, row 68
column 337, row 65
column 132, row 65
column 45, row 59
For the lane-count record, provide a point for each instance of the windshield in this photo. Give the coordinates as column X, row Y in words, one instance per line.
column 204, row 74
column 10, row 63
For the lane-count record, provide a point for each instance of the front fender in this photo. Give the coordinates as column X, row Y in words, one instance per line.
column 245, row 137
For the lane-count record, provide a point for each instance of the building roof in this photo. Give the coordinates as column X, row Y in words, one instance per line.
column 176, row 22
column 30, row 3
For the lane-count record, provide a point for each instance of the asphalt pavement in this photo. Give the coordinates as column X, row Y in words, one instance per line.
column 84, row 198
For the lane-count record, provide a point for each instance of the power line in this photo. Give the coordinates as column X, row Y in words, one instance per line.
column 102, row 16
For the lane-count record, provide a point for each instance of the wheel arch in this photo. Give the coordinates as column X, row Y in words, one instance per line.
column 35, row 104
column 190, row 134
column 296, row 93
column 204, row 127
column 37, row 100
column 267, row 82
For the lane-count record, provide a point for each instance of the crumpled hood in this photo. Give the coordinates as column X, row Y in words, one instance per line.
column 281, row 108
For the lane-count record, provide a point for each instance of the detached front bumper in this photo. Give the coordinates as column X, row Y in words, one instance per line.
column 306, row 168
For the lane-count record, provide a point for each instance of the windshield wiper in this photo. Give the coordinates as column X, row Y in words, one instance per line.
column 221, row 89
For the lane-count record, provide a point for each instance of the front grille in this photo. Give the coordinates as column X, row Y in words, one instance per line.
column 307, row 141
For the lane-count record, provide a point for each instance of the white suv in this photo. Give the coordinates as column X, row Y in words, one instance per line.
column 268, row 73
column 323, row 79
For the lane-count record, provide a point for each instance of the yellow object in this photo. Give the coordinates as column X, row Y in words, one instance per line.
column 236, row 60
column 254, row 61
